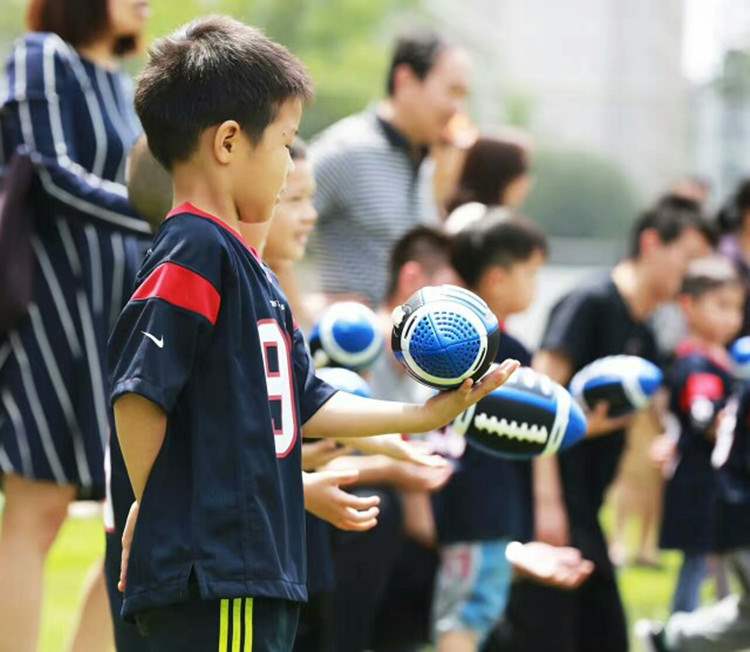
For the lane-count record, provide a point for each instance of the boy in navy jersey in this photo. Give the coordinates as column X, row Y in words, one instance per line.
column 487, row 501
column 211, row 380
column 700, row 381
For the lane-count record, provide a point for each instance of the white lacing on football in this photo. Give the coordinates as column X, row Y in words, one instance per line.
column 511, row 429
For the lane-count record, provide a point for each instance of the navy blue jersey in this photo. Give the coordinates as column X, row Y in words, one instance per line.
column 487, row 497
column 700, row 383
column 208, row 335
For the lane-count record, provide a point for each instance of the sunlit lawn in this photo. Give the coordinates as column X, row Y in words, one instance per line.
column 646, row 592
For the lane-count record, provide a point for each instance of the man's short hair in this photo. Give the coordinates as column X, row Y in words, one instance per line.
column 670, row 216
column 418, row 49
column 211, row 70
column 495, row 240
column 77, row 22
column 709, row 273
column 422, row 244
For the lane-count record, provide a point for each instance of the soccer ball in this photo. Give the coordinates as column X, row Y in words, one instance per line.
column 346, row 335
column 444, row 335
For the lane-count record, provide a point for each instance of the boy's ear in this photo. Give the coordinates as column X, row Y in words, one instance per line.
column 226, row 140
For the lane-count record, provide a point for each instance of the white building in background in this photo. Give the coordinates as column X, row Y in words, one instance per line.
column 603, row 75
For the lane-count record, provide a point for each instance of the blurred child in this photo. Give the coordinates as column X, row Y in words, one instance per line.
column 495, row 174
column 487, row 502
column 712, row 300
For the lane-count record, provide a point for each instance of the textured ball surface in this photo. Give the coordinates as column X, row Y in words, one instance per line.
column 626, row 382
column 346, row 335
column 444, row 335
column 344, row 380
column 740, row 353
column 529, row 415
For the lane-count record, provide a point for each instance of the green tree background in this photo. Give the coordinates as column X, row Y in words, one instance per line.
column 346, row 44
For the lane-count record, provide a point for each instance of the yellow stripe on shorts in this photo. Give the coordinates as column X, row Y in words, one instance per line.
column 248, row 625
column 223, row 624
column 236, row 627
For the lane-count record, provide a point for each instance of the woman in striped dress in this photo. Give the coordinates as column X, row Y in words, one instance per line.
column 71, row 108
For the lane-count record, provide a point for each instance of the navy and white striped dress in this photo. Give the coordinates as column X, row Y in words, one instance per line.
column 77, row 120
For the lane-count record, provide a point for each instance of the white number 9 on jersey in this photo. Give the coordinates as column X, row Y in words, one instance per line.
column 278, row 367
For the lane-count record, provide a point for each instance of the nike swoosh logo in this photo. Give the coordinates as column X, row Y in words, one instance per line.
column 159, row 342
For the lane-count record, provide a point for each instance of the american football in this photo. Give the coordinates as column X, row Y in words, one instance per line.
column 529, row 415
column 740, row 354
column 626, row 382
column 346, row 335
column 345, row 380
column 444, row 335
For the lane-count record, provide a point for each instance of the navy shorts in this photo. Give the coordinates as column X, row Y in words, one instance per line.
column 227, row 625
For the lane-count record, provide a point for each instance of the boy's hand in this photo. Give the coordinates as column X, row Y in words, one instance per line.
column 319, row 453
column 446, row 406
column 563, row 568
column 326, row 500
column 600, row 424
column 396, row 447
column 127, row 541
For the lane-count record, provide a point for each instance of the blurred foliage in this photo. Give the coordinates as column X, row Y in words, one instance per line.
column 345, row 43
column 580, row 193
column 734, row 81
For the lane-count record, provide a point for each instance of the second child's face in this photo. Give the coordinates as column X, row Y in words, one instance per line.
column 261, row 172
column 717, row 315
column 294, row 218
column 512, row 290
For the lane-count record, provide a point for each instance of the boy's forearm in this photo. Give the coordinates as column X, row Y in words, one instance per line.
column 141, row 427
column 347, row 415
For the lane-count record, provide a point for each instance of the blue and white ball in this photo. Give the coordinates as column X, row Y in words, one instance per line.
column 346, row 335
column 345, row 380
column 626, row 382
column 444, row 335
column 529, row 415
column 740, row 354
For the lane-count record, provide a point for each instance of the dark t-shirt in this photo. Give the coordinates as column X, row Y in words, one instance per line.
column 591, row 322
column 699, row 383
column 487, row 497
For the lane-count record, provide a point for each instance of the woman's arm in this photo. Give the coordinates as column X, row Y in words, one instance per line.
column 40, row 71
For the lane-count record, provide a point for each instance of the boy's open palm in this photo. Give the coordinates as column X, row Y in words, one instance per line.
column 446, row 406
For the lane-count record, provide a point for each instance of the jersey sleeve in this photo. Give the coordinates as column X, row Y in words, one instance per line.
column 41, row 72
column 570, row 328
column 313, row 391
column 169, row 320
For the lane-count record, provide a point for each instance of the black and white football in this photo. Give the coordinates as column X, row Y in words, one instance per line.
column 529, row 415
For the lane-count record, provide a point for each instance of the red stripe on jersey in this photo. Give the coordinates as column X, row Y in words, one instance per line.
column 702, row 385
column 182, row 288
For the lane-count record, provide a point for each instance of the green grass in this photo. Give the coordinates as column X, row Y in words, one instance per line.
column 80, row 544
column 646, row 592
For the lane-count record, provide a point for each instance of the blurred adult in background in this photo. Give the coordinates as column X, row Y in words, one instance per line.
column 69, row 105
column 372, row 183
column 734, row 222
column 495, row 174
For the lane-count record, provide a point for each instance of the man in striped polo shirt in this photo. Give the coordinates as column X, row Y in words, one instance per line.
column 372, row 181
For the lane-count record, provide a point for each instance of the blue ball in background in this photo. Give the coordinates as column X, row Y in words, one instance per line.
column 740, row 354
column 345, row 380
column 626, row 382
column 346, row 335
column 444, row 335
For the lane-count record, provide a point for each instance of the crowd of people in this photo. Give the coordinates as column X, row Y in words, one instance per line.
column 162, row 350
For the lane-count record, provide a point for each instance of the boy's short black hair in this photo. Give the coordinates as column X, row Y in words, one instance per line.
column 709, row 273
column 495, row 240
column 211, row 70
column 418, row 49
column 670, row 216
column 427, row 246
